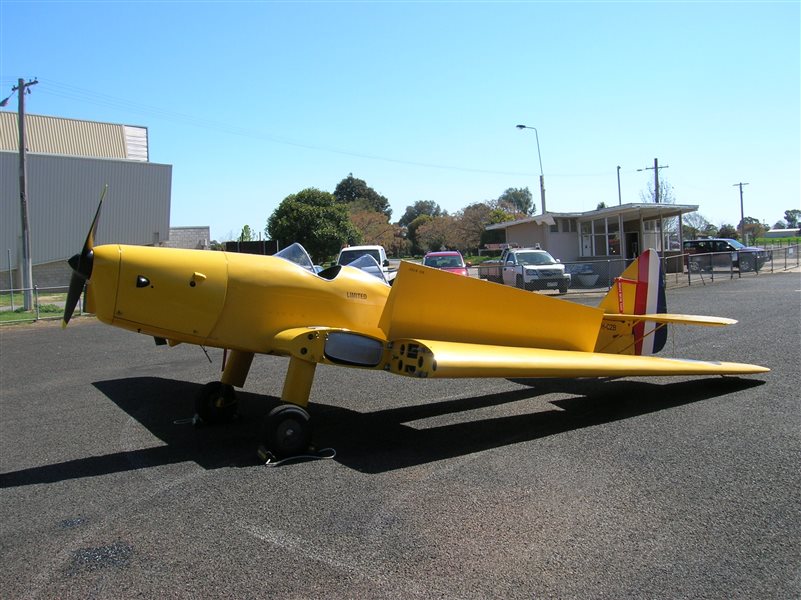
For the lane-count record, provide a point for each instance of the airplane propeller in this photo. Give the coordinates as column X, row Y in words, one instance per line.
column 81, row 264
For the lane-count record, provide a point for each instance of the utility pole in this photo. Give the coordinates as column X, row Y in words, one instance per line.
column 656, row 168
column 742, row 212
column 619, row 197
column 27, row 267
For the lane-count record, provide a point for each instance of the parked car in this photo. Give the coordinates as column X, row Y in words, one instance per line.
column 723, row 253
column 451, row 261
column 529, row 269
column 350, row 254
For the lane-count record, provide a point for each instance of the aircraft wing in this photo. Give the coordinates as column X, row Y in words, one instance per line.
column 427, row 358
column 439, row 359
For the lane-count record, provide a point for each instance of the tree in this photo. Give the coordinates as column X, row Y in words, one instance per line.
column 710, row 231
column 411, row 233
column 600, row 205
column 352, row 190
column 437, row 233
column 752, row 229
column 792, row 217
column 517, row 200
column 693, row 224
column 666, row 195
column 780, row 225
column 471, row 222
column 374, row 227
column 421, row 207
column 728, row 231
column 314, row 219
column 246, row 235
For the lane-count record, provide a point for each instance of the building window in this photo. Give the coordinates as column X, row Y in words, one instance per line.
column 613, row 237
column 599, row 237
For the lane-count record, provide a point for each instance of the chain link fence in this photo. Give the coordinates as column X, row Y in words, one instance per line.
column 598, row 275
column 46, row 303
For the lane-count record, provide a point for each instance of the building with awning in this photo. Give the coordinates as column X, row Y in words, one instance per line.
column 619, row 232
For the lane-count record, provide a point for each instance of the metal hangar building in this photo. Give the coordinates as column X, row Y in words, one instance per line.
column 68, row 164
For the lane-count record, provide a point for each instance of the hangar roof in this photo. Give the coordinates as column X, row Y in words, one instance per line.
column 73, row 137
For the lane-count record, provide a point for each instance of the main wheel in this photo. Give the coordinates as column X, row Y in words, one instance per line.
column 286, row 430
column 216, row 403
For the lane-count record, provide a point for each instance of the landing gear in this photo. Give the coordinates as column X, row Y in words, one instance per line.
column 286, row 431
column 216, row 403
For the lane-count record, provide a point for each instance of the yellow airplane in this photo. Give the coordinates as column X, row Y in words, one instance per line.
column 428, row 324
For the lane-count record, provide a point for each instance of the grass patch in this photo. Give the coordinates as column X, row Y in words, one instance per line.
column 20, row 315
column 41, row 298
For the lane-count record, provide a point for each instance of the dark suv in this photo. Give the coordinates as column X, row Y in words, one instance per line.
column 723, row 253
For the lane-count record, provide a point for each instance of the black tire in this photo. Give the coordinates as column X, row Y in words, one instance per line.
column 563, row 288
column 746, row 264
column 519, row 282
column 216, row 403
column 286, row 431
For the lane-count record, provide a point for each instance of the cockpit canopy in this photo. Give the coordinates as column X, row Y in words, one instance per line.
column 297, row 254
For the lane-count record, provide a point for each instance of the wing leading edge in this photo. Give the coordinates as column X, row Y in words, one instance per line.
column 428, row 358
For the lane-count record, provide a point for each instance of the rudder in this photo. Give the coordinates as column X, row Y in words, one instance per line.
column 639, row 290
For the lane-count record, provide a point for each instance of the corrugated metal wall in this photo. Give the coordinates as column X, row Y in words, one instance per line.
column 73, row 137
column 63, row 193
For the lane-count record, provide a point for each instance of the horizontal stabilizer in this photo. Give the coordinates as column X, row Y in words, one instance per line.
column 668, row 318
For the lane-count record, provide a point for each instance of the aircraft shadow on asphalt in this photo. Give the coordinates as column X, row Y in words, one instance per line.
column 372, row 442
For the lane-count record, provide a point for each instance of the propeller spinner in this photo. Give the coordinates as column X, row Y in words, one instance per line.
column 81, row 265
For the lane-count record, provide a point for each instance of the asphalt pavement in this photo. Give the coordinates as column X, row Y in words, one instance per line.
column 632, row 488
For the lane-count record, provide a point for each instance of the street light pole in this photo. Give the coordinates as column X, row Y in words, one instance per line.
column 539, row 156
column 742, row 212
column 619, row 197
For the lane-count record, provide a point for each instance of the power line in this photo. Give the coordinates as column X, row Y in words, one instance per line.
column 85, row 96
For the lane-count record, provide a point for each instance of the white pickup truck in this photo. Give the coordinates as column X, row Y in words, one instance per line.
column 350, row 253
column 529, row 269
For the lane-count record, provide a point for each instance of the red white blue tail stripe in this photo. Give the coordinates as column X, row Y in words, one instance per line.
column 650, row 299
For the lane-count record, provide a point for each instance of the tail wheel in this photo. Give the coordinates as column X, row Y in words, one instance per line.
column 216, row 403
column 286, row 430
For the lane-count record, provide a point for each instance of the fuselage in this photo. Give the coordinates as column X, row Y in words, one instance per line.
column 226, row 300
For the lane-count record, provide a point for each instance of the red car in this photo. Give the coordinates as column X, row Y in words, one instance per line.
column 447, row 261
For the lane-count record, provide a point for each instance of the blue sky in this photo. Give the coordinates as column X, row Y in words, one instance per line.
column 253, row 101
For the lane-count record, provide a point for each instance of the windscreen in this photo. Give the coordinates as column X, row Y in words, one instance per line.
column 369, row 265
column 535, row 258
column 297, row 254
column 346, row 257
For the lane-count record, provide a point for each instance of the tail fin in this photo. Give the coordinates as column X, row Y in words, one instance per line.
column 640, row 290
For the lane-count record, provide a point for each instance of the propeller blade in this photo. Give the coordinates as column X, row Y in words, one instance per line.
column 76, row 287
column 81, row 265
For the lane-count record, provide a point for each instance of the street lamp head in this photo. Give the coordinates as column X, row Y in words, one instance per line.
column 520, row 126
